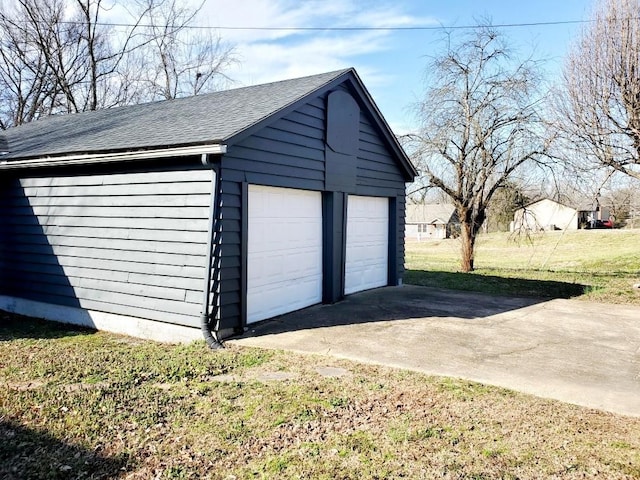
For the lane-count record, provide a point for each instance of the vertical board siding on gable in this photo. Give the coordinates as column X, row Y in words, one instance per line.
column 287, row 153
column 131, row 244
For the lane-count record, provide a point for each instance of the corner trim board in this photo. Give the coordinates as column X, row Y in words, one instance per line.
column 244, row 253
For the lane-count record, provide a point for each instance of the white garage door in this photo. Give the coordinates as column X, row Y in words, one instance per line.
column 284, row 263
column 367, row 243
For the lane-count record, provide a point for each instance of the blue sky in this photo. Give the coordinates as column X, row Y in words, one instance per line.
column 391, row 63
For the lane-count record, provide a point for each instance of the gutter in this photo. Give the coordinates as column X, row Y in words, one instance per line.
column 211, row 334
column 97, row 158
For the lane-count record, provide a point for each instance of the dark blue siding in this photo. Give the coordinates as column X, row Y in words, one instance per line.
column 124, row 243
column 290, row 152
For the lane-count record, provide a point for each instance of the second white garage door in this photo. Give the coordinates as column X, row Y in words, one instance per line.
column 284, row 257
column 367, row 251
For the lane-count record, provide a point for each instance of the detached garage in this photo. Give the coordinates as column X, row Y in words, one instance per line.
column 209, row 212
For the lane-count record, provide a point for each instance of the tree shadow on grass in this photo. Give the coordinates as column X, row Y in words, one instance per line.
column 27, row 454
column 14, row 327
column 491, row 284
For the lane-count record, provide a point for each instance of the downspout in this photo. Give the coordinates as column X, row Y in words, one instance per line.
column 210, row 334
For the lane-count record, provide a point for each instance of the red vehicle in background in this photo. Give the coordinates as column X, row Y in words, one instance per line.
column 600, row 224
column 607, row 223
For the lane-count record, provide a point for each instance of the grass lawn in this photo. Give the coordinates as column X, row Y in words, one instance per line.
column 75, row 404
column 596, row 265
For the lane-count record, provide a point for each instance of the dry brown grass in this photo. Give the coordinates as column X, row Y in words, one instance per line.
column 77, row 404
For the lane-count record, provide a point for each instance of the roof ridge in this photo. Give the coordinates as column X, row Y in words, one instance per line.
column 221, row 118
column 334, row 73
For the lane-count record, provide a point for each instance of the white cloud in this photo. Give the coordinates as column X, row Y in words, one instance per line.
column 266, row 61
column 268, row 55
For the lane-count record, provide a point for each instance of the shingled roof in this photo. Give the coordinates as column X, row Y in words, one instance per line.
column 204, row 119
column 432, row 213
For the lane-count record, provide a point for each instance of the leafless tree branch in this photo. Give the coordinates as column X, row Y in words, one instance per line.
column 599, row 105
column 480, row 123
column 57, row 56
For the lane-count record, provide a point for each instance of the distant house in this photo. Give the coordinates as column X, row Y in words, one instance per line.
column 588, row 213
column 547, row 214
column 431, row 221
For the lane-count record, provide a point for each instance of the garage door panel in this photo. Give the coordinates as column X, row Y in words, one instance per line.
column 268, row 301
column 294, row 267
column 284, row 266
column 367, row 250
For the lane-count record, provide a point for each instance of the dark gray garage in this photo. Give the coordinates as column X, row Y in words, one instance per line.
column 213, row 211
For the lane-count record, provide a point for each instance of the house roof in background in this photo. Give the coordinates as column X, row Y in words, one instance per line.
column 431, row 213
column 588, row 206
column 544, row 199
column 583, row 206
column 215, row 118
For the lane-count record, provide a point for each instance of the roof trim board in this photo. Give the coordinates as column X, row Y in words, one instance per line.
column 94, row 158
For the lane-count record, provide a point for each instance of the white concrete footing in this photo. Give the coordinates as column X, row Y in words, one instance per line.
column 125, row 325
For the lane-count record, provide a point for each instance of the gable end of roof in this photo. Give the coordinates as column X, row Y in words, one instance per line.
column 355, row 85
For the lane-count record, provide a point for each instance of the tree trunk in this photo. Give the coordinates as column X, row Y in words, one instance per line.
column 468, row 238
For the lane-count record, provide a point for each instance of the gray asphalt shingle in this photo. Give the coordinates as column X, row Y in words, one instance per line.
column 433, row 213
column 210, row 118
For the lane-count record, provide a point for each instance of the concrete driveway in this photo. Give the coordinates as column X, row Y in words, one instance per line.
column 574, row 351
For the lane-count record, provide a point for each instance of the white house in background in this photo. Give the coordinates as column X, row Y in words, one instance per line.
column 431, row 221
column 547, row 214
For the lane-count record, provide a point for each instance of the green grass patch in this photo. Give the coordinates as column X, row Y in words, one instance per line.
column 76, row 404
column 598, row 265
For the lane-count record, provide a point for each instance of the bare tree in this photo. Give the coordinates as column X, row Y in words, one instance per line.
column 28, row 86
column 177, row 62
column 480, row 124
column 102, row 60
column 599, row 105
column 59, row 56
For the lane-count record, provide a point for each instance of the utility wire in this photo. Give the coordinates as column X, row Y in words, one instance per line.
column 424, row 27
column 346, row 29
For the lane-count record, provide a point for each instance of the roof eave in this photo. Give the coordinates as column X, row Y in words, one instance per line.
column 98, row 158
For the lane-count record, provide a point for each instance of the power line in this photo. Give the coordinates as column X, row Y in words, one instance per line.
column 423, row 27
column 344, row 29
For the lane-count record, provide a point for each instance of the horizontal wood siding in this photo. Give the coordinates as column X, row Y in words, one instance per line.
column 288, row 153
column 127, row 243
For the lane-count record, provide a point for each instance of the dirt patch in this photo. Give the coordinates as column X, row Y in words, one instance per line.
column 24, row 386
